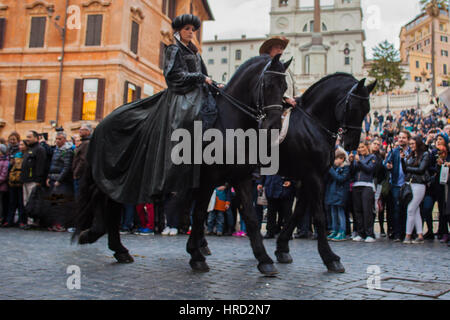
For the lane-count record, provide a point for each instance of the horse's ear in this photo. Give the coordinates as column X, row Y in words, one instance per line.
column 287, row 64
column 372, row 86
column 361, row 85
column 276, row 58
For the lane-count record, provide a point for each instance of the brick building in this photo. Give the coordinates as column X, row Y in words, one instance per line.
column 113, row 54
column 415, row 47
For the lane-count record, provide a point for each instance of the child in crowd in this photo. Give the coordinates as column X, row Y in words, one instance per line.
column 217, row 216
column 336, row 194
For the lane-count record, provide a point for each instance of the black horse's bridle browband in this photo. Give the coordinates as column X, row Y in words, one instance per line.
column 344, row 127
column 260, row 113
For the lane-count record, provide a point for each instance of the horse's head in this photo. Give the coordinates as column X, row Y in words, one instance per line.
column 351, row 112
column 271, row 87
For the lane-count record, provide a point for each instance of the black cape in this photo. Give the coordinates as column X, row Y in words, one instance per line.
column 130, row 150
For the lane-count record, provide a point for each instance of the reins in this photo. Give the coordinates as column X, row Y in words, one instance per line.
column 343, row 127
column 260, row 113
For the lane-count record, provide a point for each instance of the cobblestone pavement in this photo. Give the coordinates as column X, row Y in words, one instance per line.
column 34, row 265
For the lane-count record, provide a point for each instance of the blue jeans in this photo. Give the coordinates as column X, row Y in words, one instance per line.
column 216, row 217
column 76, row 187
column 397, row 212
column 16, row 203
column 128, row 216
column 338, row 219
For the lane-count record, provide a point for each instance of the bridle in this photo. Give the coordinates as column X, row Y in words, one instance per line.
column 260, row 114
column 343, row 127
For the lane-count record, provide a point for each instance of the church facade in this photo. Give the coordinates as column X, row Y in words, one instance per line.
column 342, row 37
column 341, row 50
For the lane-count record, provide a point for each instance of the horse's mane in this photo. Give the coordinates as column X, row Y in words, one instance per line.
column 247, row 64
column 311, row 89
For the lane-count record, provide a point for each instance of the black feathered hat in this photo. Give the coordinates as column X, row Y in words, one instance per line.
column 180, row 21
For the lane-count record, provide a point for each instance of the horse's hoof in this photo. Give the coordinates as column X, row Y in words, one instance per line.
column 267, row 269
column 283, row 257
column 83, row 238
column 205, row 251
column 335, row 267
column 199, row 266
column 123, row 257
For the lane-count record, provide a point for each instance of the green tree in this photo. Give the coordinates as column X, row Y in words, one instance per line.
column 432, row 8
column 386, row 65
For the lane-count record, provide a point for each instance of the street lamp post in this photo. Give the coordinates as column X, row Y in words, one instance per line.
column 418, row 91
column 62, row 32
column 387, row 83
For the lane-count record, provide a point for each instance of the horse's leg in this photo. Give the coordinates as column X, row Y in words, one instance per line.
column 282, row 251
column 244, row 192
column 114, row 211
column 329, row 258
column 196, row 242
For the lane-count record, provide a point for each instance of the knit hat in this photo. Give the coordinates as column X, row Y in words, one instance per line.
column 3, row 149
column 444, row 136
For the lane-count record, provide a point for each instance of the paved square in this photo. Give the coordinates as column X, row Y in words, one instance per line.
column 34, row 266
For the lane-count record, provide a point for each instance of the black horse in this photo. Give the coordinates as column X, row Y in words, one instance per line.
column 251, row 100
column 333, row 107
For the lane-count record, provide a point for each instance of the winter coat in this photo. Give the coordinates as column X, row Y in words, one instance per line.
column 61, row 164
column 338, row 186
column 4, row 165
column 34, row 164
column 417, row 173
column 79, row 159
column 16, row 171
column 273, row 187
column 364, row 169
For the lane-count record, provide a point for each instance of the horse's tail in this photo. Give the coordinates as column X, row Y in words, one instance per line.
column 90, row 223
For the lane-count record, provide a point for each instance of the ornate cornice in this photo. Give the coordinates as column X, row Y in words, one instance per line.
column 45, row 4
column 138, row 12
column 103, row 3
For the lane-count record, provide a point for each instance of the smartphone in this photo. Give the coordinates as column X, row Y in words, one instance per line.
column 354, row 153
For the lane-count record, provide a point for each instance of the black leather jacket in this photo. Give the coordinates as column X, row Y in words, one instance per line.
column 417, row 173
column 184, row 68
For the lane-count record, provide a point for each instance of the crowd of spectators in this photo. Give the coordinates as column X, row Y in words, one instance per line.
column 364, row 198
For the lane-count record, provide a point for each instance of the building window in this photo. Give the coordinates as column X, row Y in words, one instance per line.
column 445, row 69
column 210, row 61
column 224, row 48
column 347, row 61
column 169, row 8
column 90, row 89
column 307, row 65
column 2, row 31
column 37, row 32
column 31, row 99
column 162, row 53
column 210, row 49
column 283, row 3
column 428, row 66
column 238, row 54
column 94, row 30
column 134, row 37
column 444, row 53
column 132, row 92
column 324, row 27
column 427, row 42
column 224, row 61
column 417, row 64
column 444, row 39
